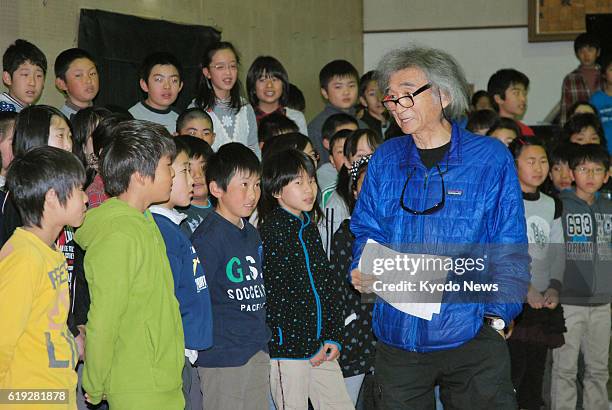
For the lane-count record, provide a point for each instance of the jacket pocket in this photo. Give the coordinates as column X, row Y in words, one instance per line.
column 165, row 363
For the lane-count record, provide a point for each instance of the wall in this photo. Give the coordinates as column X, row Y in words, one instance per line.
column 480, row 52
column 303, row 35
column 384, row 15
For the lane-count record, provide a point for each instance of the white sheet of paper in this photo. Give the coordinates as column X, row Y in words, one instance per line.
column 421, row 310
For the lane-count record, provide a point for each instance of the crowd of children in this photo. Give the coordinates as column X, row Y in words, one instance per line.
column 199, row 259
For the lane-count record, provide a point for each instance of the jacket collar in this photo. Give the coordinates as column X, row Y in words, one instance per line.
column 172, row 214
column 294, row 218
column 452, row 157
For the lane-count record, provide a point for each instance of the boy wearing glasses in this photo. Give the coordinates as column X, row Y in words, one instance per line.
column 161, row 80
column 587, row 283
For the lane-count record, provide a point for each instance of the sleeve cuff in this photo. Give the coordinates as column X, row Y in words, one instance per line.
column 334, row 343
column 556, row 285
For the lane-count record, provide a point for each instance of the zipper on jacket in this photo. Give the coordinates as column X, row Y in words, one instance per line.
column 312, row 284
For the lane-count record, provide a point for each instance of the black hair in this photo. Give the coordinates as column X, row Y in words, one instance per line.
column 159, row 58
column 84, row 122
column 206, row 94
column 589, row 153
column 341, row 134
column 181, row 145
column 102, row 135
column 295, row 98
column 191, row 114
column 366, row 79
column 198, row 148
column 503, row 123
column 229, row 160
column 521, row 142
column 478, row 95
column 275, row 124
column 481, row 119
column 362, row 167
column 266, row 66
column 502, row 80
column 586, row 40
column 343, row 186
column 578, row 122
column 350, row 146
column 278, row 170
column 574, row 106
column 337, row 68
column 66, row 57
column 118, row 109
column 560, row 154
column 22, row 51
column 606, row 60
column 136, row 146
column 7, row 119
column 283, row 142
column 32, row 127
column 32, row 174
column 334, row 121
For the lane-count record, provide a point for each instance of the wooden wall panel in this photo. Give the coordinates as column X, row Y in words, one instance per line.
column 304, row 35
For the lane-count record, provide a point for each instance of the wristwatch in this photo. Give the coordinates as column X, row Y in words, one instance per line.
column 496, row 323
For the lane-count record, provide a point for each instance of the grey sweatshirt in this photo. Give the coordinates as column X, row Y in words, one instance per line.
column 545, row 234
column 588, row 246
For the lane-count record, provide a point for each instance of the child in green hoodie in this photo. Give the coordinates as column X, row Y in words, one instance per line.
column 134, row 339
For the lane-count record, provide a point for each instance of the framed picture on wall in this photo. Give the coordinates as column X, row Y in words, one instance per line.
column 561, row 20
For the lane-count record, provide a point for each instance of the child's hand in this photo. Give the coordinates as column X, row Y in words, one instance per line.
column 80, row 340
column 551, row 298
column 535, row 298
column 361, row 282
column 87, row 398
column 332, row 351
column 318, row 358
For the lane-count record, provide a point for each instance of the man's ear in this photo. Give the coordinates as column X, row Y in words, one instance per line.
column 51, row 200
column 181, row 86
column 498, row 100
column 326, row 143
column 138, row 179
column 144, row 86
column 61, row 84
column 324, row 93
column 215, row 190
column 445, row 99
column 6, row 78
column 363, row 101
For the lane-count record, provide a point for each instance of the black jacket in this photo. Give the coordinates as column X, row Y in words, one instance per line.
column 304, row 309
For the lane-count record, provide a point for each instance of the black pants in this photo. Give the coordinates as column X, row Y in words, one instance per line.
column 475, row 375
column 528, row 361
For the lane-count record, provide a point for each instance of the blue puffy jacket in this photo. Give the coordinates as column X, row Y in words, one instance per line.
column 483, row 205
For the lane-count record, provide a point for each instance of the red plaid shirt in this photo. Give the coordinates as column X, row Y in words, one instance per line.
column 95, row 193
column 574, row 89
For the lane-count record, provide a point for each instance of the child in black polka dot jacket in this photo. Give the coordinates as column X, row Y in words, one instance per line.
column 304, row 309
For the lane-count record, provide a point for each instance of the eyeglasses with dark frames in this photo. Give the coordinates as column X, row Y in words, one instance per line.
column 405, row 101
column 439, row 205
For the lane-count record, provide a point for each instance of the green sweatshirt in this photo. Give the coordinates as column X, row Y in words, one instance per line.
column 134, row 344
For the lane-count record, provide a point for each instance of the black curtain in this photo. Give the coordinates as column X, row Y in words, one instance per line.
column 120, row 42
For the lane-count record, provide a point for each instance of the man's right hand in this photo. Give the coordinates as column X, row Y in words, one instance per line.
column 362, row 282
